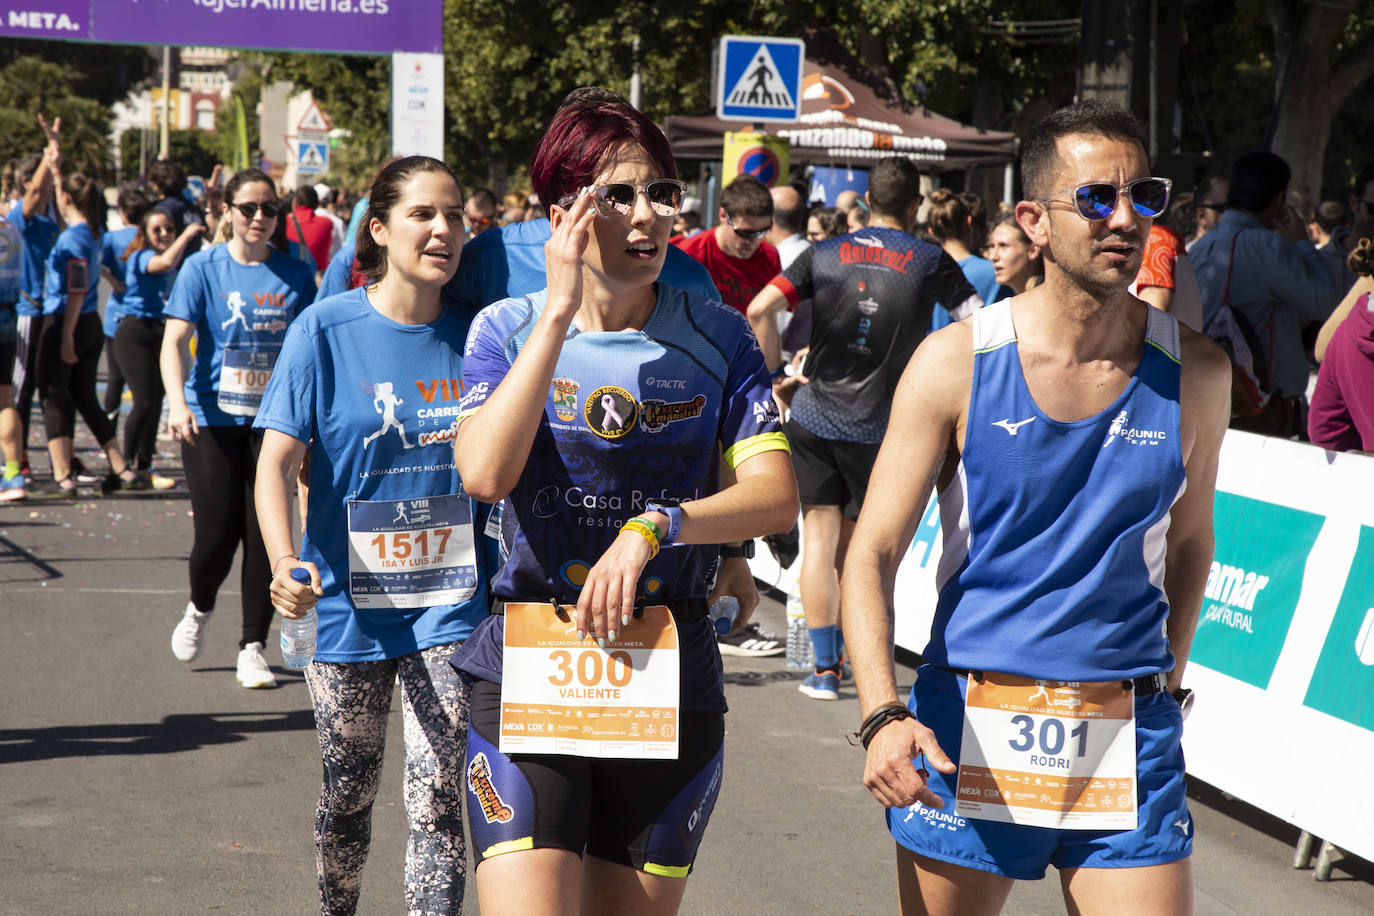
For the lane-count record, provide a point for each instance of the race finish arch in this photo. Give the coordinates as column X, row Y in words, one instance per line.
column 407, row 29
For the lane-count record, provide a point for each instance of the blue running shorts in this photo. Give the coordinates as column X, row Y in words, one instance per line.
column 1164, row 834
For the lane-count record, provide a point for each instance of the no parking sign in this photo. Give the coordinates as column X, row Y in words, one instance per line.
column 749, row 152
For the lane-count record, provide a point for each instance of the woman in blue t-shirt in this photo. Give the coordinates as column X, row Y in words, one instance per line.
column 150, row 260
column 367, row 387
column 70, row 337
column 237, row 299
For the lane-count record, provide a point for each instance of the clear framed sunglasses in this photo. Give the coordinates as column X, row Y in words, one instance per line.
column 665, row 197
column 1149, row 197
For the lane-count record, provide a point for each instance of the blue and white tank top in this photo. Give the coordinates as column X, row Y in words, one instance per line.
column 1053, row 562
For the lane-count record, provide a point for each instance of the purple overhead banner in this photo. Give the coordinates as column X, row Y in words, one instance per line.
column 347, row 26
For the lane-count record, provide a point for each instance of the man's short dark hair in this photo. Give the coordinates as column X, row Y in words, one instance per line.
column 746, row 196
column 168, row 177
column 893, row 186
column 483, row 200
column 1330, row 213
column 1256, row 179
column 1211, row 192
column 1098, row 117
column 305, row 196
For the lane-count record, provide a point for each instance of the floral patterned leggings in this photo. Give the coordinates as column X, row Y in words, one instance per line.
column 352, row 702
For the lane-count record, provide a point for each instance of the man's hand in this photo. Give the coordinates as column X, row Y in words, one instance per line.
column 735, row 579
column 1288, row 224
column 890, row 772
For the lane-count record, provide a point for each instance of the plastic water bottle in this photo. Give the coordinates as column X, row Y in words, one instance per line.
column 799, row 651
column 723, row 614
column 298, row 636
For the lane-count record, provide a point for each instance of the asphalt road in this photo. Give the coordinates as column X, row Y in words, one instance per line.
column 131, row 783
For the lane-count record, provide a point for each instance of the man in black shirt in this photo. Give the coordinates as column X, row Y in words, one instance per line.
column 872, row 292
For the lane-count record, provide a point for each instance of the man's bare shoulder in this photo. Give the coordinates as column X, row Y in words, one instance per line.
column 1204, row 363
column 940, row 372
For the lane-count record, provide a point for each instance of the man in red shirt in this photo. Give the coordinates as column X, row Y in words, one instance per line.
column 317, row 229
column 735, row 253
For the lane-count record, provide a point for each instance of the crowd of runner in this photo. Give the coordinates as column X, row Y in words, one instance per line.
column 566, row 415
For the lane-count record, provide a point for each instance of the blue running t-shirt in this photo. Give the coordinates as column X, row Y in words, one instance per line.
column 73, row 264
column 240, row 312
column 396, row 539
column 40, row 233
column 1053, row 562
column 113, row 244
column 630, row 415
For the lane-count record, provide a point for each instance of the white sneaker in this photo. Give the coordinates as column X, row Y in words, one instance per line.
column 189, row 633
column 252, row 668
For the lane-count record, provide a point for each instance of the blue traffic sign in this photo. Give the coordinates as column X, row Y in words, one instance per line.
column 759, row 78
column 312, row 157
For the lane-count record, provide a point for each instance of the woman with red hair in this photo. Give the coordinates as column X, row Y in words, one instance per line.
column 598, row 412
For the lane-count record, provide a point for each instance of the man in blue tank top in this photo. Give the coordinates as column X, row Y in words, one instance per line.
column 1072, row 433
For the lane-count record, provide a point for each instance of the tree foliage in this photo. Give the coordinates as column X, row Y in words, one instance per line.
column 30, row 86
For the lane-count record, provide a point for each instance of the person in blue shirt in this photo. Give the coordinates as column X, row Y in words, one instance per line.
column 150, row 260
column 35, row 215
column 597, row 412
column 13, row 483
column 338, row 276
column 132, row 203
column 70, row 338
column 367, row 386
column 237, row 299
column 949, row 220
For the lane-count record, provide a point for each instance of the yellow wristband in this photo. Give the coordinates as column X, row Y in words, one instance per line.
column 645, row 520
column 644, row 531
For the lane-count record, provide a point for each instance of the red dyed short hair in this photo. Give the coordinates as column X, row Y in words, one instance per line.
column 581, row 140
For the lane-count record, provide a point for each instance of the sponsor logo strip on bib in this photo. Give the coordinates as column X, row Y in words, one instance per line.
column 1048, row 753
column 560, row 695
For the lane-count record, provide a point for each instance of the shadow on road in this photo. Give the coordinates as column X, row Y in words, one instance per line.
column 172, row 735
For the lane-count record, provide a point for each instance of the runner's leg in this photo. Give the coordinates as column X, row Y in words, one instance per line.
column 618, row 889
column 352, row 702
column 434, row 709
column 1156, row 890
column 928, row 886
column 546, row 881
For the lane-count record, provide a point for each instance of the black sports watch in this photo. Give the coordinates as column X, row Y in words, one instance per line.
column 745, row 550
column 1184, row 697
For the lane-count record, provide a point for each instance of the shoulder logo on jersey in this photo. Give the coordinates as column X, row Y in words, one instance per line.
column 766, row 411
column 1012, row 427
column 494, row 810
column 654, row 415
column 610, row 412
column 565, row 399
column 1121, row 429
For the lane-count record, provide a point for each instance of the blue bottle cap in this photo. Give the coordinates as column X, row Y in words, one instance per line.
column 301, row 575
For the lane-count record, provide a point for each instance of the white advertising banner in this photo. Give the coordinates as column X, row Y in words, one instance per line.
column 417, row 104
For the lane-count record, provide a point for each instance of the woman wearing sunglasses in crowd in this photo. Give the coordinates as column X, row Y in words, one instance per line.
column 601, row 407
column 381, row 467
column 149, row 262
column 237, row 299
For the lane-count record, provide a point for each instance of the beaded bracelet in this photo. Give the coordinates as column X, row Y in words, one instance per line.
column 644, row 530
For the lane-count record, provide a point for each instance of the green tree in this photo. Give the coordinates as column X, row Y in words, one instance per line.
column 192, row 149
column 30, row 87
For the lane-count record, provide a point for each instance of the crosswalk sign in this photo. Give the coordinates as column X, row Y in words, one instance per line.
column 312, row 157
column 759, row 78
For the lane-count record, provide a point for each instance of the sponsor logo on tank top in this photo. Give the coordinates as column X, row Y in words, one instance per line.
column 1121, row 429
column 1011, row 427
column 940, row 820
